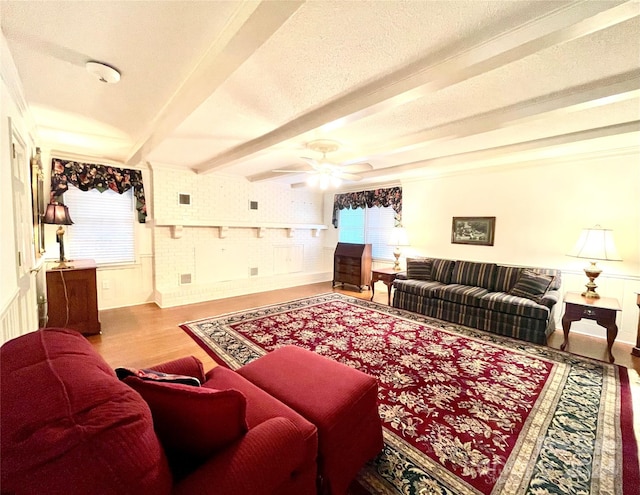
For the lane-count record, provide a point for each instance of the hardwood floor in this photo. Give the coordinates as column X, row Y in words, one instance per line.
column 141, row 336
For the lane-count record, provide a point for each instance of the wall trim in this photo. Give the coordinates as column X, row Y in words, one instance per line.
column 7, row 304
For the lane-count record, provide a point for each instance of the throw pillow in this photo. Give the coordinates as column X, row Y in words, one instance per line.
column 158, row 376
column 419, row 268
column 441, row 271
column 193, row 421
column 532, row 285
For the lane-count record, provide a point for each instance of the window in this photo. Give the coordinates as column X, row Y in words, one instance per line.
column 103, row 226
column 368, row 226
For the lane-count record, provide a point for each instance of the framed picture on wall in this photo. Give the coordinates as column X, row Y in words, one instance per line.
column 473, row 230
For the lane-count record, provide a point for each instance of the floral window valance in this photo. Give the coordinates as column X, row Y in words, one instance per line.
column 391, row 196
column 87, row 176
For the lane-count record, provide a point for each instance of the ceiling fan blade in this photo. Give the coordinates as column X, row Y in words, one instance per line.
column 357, row 167
column 291, row 170
column 314, row 163
column 294, row 169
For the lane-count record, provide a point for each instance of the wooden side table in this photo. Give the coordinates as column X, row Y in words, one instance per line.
column 386, row 275
column 602, row 310
column 636, row 350
column 72, row 297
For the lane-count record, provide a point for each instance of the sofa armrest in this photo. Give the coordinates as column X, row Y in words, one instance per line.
column 189, row 366
column 550, row 299
column 401, row 275
column 260, row 462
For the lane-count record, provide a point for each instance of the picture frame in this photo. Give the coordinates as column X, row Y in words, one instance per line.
column 478, row 231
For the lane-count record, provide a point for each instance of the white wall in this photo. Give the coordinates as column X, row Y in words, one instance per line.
column 219, row 266
column 18, row 298
column 540, row 211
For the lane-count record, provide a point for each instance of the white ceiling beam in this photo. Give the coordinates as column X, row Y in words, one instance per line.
column 426, row 76
column 253, row 23
column 597, row 93
column 498, row 151
column 469, row 157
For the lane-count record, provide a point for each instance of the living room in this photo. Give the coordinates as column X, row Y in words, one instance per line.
column 547, row 156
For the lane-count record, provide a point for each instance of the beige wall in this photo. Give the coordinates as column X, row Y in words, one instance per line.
column 540, row 211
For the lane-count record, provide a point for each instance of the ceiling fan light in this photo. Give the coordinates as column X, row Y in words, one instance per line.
column 324, row 181
column 335, row 181
column 312, row 180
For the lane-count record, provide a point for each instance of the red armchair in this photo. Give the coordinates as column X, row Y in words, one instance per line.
column 69, row 426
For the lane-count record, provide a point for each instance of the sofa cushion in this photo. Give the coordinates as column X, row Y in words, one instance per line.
column 419, row 268
column 441, row 271
column 471, row 273
column 531, row 285
column 514, row 305
column 65, row 416
column 193, row 421
column 505, row 278
column 418, row 287
column 461, row 294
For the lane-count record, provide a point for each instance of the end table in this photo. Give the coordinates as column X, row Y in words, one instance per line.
column 602, row 310
column 386, row 275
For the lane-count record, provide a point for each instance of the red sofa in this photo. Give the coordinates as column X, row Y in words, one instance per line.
column 69, row 426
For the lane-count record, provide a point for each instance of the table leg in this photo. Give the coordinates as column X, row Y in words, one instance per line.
column 566, row 326
column 373, row 289
column 612, row 332
column 389, row 294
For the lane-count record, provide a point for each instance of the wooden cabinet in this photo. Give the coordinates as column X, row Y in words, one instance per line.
column 352, row 264
column 72, row 297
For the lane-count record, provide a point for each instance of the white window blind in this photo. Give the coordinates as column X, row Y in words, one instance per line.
column 368, row 226
column 103, row 226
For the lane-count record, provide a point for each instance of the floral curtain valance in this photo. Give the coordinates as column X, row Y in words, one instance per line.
column 87, row 176
column 391, row 196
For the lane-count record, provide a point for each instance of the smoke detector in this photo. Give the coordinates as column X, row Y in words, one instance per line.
column 103, row 72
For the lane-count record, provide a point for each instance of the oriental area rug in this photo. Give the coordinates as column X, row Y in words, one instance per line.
column 464, row 411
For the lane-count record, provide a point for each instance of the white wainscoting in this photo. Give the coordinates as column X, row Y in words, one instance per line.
column 10, row 320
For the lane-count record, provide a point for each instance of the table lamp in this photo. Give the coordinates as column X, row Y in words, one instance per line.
column 595, row 244
column 398, row 238
column 58, row 214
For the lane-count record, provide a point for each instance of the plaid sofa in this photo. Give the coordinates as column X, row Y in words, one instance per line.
column 518, row 302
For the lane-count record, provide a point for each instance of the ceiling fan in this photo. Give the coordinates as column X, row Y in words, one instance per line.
column 324, row 173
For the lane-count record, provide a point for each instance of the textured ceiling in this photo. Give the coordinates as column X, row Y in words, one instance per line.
column 412, row 87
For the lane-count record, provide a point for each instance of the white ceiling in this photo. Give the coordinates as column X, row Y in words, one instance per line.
column 412, row 87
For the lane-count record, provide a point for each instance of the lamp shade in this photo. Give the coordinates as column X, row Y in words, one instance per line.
column 596, row 244
column 399, row 237
column 57, row 214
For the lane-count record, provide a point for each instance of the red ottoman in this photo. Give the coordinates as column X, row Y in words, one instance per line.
column 339, row 400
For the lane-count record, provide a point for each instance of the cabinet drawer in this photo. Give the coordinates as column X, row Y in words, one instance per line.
column 348, row 278
column 347, row 260
column 348, row 269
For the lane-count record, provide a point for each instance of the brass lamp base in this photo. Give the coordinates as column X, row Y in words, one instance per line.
column 592, row 271
column 396, row 253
